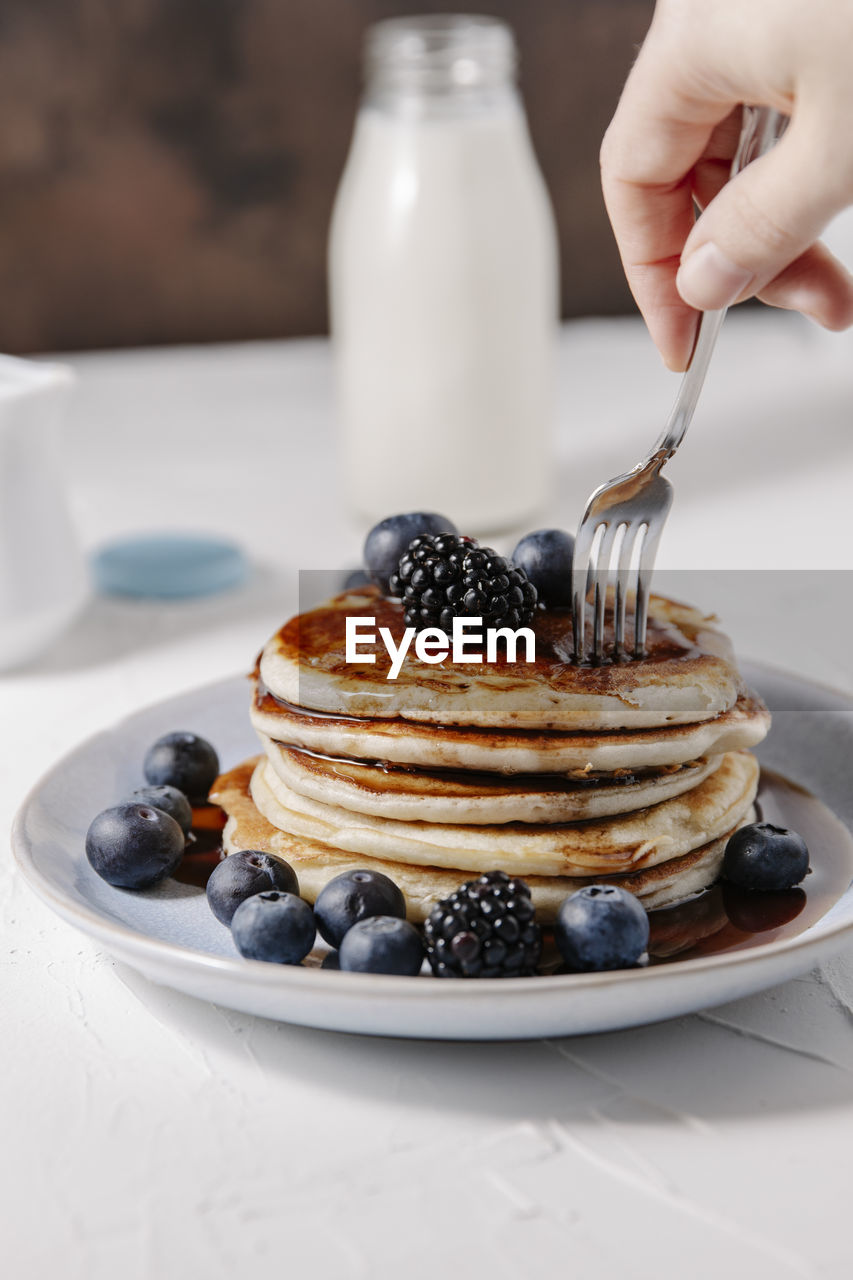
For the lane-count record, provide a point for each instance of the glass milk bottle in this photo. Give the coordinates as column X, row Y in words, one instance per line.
column 444, row 282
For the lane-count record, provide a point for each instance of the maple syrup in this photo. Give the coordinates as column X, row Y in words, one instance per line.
column 317, row 639
column 726, row 918
column 204, row 846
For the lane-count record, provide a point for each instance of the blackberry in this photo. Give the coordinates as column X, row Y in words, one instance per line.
column 486, row 929
column 445, row 576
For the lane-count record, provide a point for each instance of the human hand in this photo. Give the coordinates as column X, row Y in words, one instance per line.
column 671, row 142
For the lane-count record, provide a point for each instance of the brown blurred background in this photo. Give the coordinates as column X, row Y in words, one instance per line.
column 167, row 167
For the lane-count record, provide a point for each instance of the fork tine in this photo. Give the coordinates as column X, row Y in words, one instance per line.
column 602, row 573
column 648, row 554
column 623, row 571
column 598, row 614
column 582, row 569
column 578, row 612
column 654, row 519
column 641, row 615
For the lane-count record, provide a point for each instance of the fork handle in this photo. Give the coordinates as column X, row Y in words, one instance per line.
column 761, row 127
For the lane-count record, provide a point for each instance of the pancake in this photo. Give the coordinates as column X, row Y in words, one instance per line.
column 612, row 845
column 689, row 674
column 454, row 796
column 315, row 863
column 433, row 746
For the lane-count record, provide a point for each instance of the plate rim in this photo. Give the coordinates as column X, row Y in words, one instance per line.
column 122, row 939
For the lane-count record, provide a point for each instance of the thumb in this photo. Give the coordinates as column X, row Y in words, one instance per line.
column 760, row 222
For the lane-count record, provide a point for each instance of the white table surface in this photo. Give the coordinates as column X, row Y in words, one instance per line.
column 146, row 1134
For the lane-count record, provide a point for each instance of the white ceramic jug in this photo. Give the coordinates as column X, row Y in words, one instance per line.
column 43, row 578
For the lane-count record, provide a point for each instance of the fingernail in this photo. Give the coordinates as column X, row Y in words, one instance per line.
column 708, row 280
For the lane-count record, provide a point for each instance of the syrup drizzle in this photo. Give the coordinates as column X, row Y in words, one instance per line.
column 318, row 638
column 204, row 846
column 470, row 778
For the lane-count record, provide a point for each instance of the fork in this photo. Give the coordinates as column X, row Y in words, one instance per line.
column 638, row 502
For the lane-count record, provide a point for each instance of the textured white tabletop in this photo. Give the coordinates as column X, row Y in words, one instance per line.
column 146, row 1134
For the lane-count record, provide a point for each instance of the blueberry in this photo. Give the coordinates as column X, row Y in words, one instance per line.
column 356, row 578
column 546, row 558
column 601, row 927
column 382, row 944
column 273, row 926
column 134, row 845
column 242, row 875
column 185, row 761
column 353, row 896
column 387, row 541
column 170, row 800
column 331, row 960
column 761, row 856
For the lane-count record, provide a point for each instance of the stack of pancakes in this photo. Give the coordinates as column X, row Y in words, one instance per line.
column 633, row 773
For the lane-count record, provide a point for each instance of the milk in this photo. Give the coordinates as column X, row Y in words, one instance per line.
column 443, row 292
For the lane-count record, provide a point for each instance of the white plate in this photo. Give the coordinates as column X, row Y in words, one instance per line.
column 169, row 934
